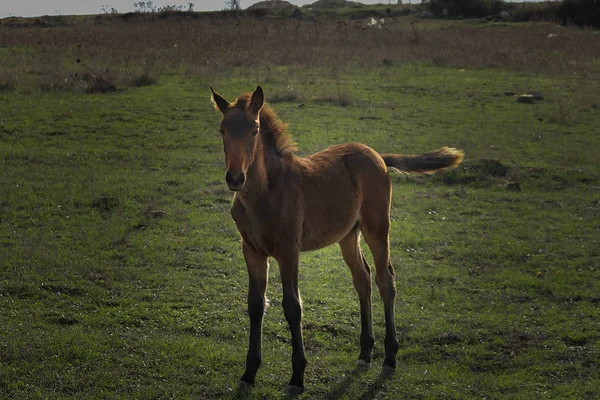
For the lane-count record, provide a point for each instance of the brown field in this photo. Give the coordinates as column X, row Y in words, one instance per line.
column 60, row 53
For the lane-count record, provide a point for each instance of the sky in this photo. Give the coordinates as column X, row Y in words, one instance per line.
column 36, row 8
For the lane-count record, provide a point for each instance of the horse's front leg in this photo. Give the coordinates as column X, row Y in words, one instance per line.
column 258, row 269
column 292, row 308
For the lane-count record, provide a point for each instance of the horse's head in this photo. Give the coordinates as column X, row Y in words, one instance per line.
column 239, row 128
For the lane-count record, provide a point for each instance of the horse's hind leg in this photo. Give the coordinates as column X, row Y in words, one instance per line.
column 375, row 225
column 361, row 277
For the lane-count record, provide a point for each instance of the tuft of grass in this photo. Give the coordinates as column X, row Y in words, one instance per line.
column 289, row 95
column 97, row 83
column 144, row 79
column 342, row 100
column 8, row 81
column 65, row 81
column 482, row 172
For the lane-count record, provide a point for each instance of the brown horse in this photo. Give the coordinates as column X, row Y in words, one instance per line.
column 285, row 204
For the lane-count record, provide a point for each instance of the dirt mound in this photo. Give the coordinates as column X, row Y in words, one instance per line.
column 320, row 4
column 277, row 6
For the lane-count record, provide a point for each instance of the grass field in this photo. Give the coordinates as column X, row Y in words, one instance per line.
column 121, row 274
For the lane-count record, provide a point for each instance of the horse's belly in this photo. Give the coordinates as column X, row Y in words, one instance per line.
column 324, row 241
column 328, row 228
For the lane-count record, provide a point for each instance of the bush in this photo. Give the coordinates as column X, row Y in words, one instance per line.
column 580, row 12
column 466, row 8
column 547, row 11
column 7, row 81
column 144, row 79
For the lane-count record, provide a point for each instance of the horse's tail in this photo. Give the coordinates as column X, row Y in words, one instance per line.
column 426, row 163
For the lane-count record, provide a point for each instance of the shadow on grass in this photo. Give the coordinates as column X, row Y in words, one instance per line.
column 374, row 388
column 242, row 393
column 370, row 392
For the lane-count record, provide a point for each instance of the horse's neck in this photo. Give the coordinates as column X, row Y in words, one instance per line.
column 257, row 175
column 267, row 165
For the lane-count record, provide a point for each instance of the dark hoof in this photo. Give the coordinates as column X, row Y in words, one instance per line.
column 295, row 390
column 244, row 386
column 387, row 371
column 362, row 364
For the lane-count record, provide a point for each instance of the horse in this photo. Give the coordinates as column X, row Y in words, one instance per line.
column 285, row 204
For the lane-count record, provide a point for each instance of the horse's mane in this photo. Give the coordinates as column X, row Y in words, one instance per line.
column 272, row 129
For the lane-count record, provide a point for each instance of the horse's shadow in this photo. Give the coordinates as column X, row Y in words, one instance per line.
column 370, row 392
column 338, row 390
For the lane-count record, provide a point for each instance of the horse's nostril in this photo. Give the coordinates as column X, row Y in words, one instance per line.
column 235, row 180
column 229, row 177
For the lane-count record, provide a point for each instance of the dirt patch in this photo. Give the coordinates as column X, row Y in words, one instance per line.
column 483, row 173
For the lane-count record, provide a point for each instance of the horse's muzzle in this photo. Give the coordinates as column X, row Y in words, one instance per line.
column 235, row 181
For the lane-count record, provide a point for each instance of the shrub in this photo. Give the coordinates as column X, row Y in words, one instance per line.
column 547, row 11
column 52, row 81
column 342, row 100
column 97, row 83
column 289, row 95
column 7, row 81
column 580, row 12
column 144, row 79
column 466, row 8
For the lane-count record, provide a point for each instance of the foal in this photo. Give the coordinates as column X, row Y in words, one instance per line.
column 285, row 204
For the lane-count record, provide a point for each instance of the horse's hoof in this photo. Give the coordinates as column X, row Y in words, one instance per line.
column 362, row 364
column 387, row 371
column 244, row 386
column 294, row 390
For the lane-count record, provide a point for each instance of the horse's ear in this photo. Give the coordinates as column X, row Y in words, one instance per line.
column 257, row 100
column 219, row 101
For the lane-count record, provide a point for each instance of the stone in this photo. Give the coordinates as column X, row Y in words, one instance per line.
column 513, row 186
column 526, row 98
column 536, row 94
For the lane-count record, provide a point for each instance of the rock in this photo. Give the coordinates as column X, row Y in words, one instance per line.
column 505, row 15
column 157, row 213
column 526, row 98
column 513, row 186
column 105, row 203
column 536, row 94
column 445, row 12
column 375, row 22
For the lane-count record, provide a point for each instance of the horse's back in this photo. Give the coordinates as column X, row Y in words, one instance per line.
column 335, row 183
column 363, row 167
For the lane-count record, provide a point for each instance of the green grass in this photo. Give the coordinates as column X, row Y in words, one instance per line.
column 121, row 274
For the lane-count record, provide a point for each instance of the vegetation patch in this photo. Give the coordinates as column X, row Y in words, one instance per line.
column 121, row 273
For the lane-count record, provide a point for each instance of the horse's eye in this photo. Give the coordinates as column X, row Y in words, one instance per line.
column 255, row 133
column 222, row 132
